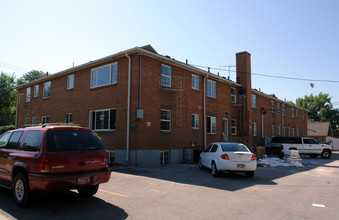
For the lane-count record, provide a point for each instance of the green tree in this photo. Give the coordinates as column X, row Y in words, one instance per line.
column 320, row 107
column 30, row 76
column 7, row 99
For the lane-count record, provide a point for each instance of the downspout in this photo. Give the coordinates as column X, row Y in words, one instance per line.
column 128, row 107
column 139, row 107
column 204, row 106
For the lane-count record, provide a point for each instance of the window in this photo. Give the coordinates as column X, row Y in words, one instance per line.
column 310, row 141
column 273, row 130
column 28, row 94
column 293, row 132
column 254, row 129
column 70, row 82
column 104, row 75
column 234, row 127
column 195, row 121
column 3, row 139
column 297, row 132
column 279, row 130
column 47, row 90
column 284, row 110
column 44, row 119
column 211, row 89
column 214, row 148
column 166, row 73
column 292, row 112
column 289, row 131
column 165, row 120
column 195, row 82
column 254, row 101
column 26, row 120
column 278, row 107
column 36, row 91
column 233, row 95
column 34, row 121
column 273, row 106
column 285, row 131
column 302, row 116
column 211, row 125
column 297, row 113
column 68, row 118
column 32, row 141
column 14, row 141
column 103, row 119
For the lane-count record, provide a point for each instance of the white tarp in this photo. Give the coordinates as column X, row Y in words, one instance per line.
column 291, row 159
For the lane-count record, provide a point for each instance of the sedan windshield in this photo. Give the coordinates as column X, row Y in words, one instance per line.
column 72, row 140
column 234, row 147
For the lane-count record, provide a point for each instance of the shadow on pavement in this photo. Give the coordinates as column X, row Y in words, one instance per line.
column 60, row 205
column 191, row 174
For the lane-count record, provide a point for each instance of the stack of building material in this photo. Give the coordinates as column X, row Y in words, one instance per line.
column 292, row 157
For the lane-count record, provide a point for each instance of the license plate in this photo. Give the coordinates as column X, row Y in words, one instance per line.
column 84, row 180
column 241, row 165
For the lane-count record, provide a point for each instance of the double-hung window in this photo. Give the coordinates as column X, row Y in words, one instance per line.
column 28, row 94
column 278, row 107
column 254, row 129
column 103, row 119
column 44, row 119
column 69, row 118
column 234, row 126
column 34, row 121
column 211, row 125
column 165, row 120
column 70, row 81
column 47, row 90
column 273, row 106
column 195, row 82
column 292, row 112
column 195, row 121
column 211, row 89
column 104, row 75
column 36, row 91
column 273, row 130
column 254, row 101
column 166, row 73
column 233, row 95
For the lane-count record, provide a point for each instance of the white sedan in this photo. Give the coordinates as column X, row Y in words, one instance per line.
column 225, row 156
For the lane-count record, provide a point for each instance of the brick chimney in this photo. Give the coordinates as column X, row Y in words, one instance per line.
column 243, row 63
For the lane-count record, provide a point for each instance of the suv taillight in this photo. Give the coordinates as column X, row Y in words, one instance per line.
column 253, row 157
column 45, row 166
column 225, row 157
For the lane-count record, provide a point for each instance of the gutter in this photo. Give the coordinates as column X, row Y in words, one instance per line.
column 128, row 107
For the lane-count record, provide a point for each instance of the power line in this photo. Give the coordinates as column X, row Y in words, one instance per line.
column 265, row 75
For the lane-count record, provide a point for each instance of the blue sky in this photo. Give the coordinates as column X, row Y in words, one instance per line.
column 298, row 38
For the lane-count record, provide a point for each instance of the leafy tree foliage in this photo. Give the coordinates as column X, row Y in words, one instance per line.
column 320, row 107
column 30, row 76
column 7, row 99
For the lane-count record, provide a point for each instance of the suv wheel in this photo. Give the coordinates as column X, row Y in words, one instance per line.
column 326, row 154
column 88, row 190
column 21, row 190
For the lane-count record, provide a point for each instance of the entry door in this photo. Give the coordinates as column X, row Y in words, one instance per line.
column 225, row 130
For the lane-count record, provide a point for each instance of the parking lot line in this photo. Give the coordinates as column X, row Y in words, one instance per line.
column 113, row 193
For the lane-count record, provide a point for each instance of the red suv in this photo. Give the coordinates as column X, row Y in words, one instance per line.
column 49, row 158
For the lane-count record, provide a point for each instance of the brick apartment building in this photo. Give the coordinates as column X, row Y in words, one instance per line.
column 151, row 109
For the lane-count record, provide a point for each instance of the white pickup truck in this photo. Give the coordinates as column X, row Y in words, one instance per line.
column 304, row 145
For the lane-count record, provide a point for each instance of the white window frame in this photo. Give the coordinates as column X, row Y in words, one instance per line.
column 211, row 89
column 169, row 77
column 212, row 129
column 69, row 118
column 254, row 129
column 293, row 132
column 47, row 89
column 292, row 112
column 34, row 121
column 44, row 119
column 93, row 126
column 36, row 91
column 233, row 96
column 273, row 130
column 165, row 120
column 28, row 94
column 195, row 82
column 273, row 106
column 113, row 75
column 234, row 127
column 195, row 121
column 254, row 101
column 70, row 82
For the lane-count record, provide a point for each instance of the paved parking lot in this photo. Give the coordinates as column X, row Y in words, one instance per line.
column 182, row 191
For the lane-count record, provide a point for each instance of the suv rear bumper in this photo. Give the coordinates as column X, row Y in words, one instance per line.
column 47, row 182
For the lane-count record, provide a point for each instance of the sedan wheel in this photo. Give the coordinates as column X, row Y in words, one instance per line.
column 214, row 170
column 200, row 164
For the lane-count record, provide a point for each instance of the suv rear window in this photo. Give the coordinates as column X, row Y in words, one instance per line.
column 32, row 141
column 72, row 140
